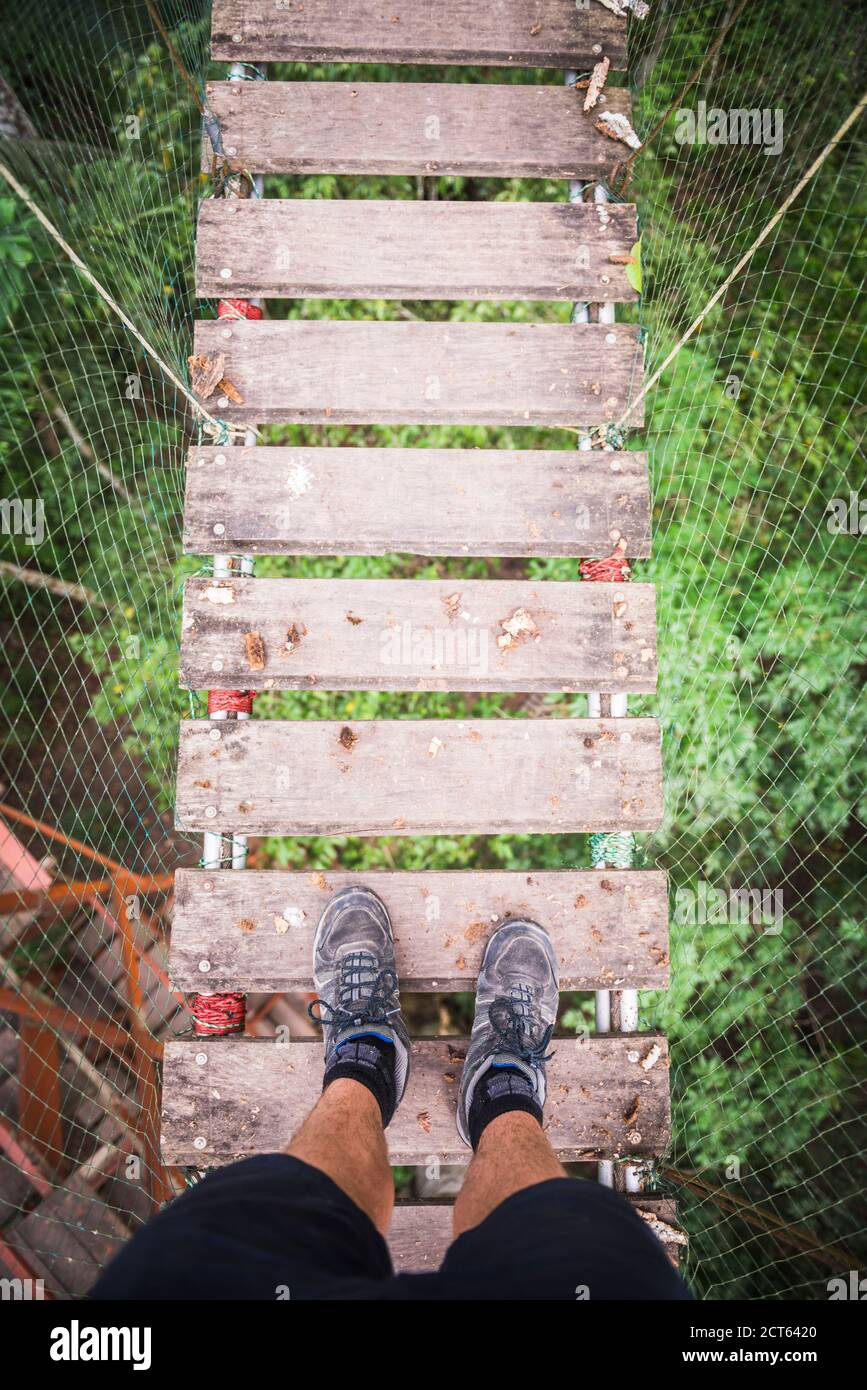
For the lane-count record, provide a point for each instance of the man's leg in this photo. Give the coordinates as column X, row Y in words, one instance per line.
column 358, row 1163
column 524, row 1230
column 503, row 1084
column 513, row 1153
column 367, row 1051
column 308, row 1223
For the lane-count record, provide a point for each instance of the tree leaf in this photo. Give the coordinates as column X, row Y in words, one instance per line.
column 633, row 270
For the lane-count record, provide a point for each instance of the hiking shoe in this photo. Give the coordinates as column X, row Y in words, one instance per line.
column 357, row 996
column 516, row 1008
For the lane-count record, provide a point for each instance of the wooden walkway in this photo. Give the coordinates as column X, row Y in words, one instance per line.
column 252, row 932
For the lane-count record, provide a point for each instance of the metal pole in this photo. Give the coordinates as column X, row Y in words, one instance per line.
column 245, row 562
column 218, row 851
column 617, row 1010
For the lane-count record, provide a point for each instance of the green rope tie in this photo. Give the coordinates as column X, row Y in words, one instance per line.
column 613, row 849
column 218, row 435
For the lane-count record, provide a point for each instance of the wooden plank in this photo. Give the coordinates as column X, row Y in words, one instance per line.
column 421, row 1232
column 251, row 1093
column 365, row 249
column 419, row 1236
column 16, row 1190
column 610, row 929
column 282, row 501
column 481, row 131
column 63, row 1269
column 68, row 1238
column 531, row 33
column 358, row 372
column 418, row 634
column 39, row 1094
column 419, row 776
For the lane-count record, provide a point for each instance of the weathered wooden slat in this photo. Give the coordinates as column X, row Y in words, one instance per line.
column 361, row 249
column 413, row 128
column 421, row 1232
column 67, row 1238
column 418, row 634
column 358, row 372
column 419, row 776
column 530, row 33
column 251, row 1093
column 419, row 1236
column 610, row 929
column 281, row 501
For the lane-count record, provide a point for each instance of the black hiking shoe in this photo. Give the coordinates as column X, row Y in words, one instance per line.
column 516, row 1008
column 358, row 1000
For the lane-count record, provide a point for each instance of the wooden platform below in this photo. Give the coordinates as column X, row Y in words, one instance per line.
column 419, row 776
column 418, row 634
column 609, row 928
column 67, row 1238
column 532, row 33
column 303, row 501
column 476, row 130
column 357, row 249
column 357, row 372
column 249, row 1095
column 421, row 1232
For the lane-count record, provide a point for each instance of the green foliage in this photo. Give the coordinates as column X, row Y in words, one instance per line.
column 633, row 270
column 15, row 254
column 751, row 433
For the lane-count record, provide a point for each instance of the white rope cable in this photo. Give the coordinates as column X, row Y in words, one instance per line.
column 105, row 296
column 747, row 256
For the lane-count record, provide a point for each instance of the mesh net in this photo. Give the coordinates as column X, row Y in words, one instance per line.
column 754, row 433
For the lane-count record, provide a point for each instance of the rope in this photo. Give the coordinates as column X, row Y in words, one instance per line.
column 176, row 58
column 238, row 309
column 614, row 569
column 747, row 256
column 105, row 296
column 612, row 849
column 231, row 701
column 218, row 1015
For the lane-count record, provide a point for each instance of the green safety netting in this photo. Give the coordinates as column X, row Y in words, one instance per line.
column 754, row 435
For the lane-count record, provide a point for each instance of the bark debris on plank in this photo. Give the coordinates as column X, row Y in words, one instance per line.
column 520, row 625
column 615, row 125
column 639, row 8
column 208, row 374
column 255, row 649
column 596, row 83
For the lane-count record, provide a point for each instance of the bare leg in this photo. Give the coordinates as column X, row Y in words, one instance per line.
column 513, row 1153
column 343, row 1137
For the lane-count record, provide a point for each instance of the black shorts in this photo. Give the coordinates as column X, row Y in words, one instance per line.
column 273, row 1227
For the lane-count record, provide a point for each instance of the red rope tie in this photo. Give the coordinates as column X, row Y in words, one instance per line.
column 231, row 701
column 238, row 309
column 614, row 569
column 217, row 1015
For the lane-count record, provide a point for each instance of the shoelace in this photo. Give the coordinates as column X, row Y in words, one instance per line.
column 517, row 1026
column 363, row 994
